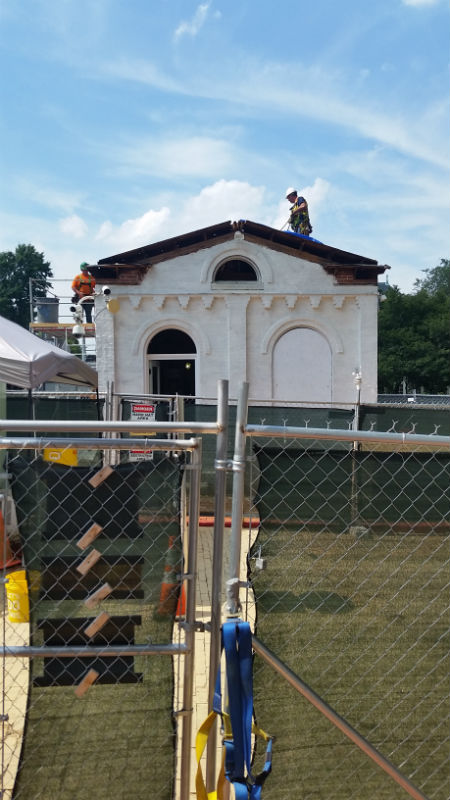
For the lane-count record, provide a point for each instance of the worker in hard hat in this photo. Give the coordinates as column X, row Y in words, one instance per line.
column 83, row 286
column 299, row 218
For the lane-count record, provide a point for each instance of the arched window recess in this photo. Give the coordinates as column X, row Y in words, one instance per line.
column 235, row 270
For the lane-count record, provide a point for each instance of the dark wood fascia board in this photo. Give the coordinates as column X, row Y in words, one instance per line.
column 355, row 273
column 135, row 272
column 295, row 242
column 145, row 255
column 187, row 250
column 359, row 274
column 282, row 248
column 125, row 274
column 129, row 268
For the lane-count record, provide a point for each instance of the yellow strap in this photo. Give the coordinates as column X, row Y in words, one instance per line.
column 259, row 732
column 200, row 744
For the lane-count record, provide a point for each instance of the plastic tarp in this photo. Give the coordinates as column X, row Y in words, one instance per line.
column 27, row 361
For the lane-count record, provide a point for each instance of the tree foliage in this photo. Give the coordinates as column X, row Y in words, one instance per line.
column 16, row 269
column 413, row 335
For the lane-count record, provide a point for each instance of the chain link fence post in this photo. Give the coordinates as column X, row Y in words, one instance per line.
column 221, row 467
column 191, row 574
column 237, row 501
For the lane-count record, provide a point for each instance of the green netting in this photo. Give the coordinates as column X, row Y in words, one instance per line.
column 403, row 489
column 334, row 489
column 122, row 729
column 406, row 419
column 353, row 597
column 64, row 408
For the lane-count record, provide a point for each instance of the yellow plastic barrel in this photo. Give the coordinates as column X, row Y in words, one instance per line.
column 17, row 597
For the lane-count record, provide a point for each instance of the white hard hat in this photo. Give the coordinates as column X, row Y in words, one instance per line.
column 290, row 191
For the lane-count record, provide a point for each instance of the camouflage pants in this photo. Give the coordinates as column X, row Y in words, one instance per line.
column 301, row 225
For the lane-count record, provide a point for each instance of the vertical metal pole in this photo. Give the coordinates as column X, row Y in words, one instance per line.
column 354, row 480
column 357, row 380
column 238, row 501
column 107, row 456
column 115, row 413
column 216, row 587
column 194, row 513
column 30, row 293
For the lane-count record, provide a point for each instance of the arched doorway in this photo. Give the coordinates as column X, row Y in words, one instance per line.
column 171, row 355
column 301, row 367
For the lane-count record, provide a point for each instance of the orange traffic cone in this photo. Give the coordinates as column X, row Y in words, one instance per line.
column 181, row 605
column 7, row 559
column 170, row 586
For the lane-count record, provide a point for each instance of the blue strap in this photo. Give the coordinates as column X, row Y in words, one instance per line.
column 237, row 644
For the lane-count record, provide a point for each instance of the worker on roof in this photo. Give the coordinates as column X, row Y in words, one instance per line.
column 299, row 218
column 83, row 286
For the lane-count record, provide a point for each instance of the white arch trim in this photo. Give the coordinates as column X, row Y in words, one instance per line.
column 263, row 271
column 279, row 328
column 146, row 332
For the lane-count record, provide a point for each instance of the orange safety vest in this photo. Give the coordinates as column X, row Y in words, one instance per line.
column 83, row 284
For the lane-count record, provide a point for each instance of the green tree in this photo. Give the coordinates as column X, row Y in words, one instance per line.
column 16, row 269
column 413, row 338
column 436, row 280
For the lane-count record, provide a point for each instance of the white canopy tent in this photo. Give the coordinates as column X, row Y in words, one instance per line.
column 27, row 361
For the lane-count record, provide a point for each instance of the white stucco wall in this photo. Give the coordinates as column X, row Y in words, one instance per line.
column 236, row 327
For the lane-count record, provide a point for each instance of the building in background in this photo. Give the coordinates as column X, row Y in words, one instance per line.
column 239, row 301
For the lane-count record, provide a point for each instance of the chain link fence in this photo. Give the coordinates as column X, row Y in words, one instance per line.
column 349, row 577
column 100, row 551
column 347, row 545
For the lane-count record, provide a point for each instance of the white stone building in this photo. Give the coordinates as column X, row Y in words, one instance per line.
column 239, row 301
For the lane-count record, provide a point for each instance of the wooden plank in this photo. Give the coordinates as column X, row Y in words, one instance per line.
column 89, row 536
column 97, row 624
column 100, row 476
column 88, row 562
column 97, row 596
column 87, row 681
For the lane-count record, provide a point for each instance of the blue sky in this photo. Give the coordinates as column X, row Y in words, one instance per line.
column 128, row 122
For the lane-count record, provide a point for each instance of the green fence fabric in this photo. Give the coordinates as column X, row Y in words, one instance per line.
column 349, row 572
column 335, row 489
column 405, row 490
column 411, row 418
column 316, row 417
column 65, row 408
column 121, row 732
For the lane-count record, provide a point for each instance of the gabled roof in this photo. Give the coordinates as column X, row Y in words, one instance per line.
column 131, row 266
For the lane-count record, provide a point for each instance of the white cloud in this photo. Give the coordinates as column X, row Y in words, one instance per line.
column 40, row 191
column 418, row 3
column 196, row 23
column 73, row 226
column 218, row 202
column 134, row 232
column 221, row 201
column 180, row 156
column 268, row 88
column 142, row 72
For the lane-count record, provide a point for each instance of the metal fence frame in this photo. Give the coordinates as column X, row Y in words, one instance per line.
column 177, row 428
column 110, row 446
column 243, row 431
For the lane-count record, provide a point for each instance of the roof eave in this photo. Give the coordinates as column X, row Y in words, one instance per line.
column 130, row 267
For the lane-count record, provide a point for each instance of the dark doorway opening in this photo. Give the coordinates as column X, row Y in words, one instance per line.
column 172, row 363
column 175, row 377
